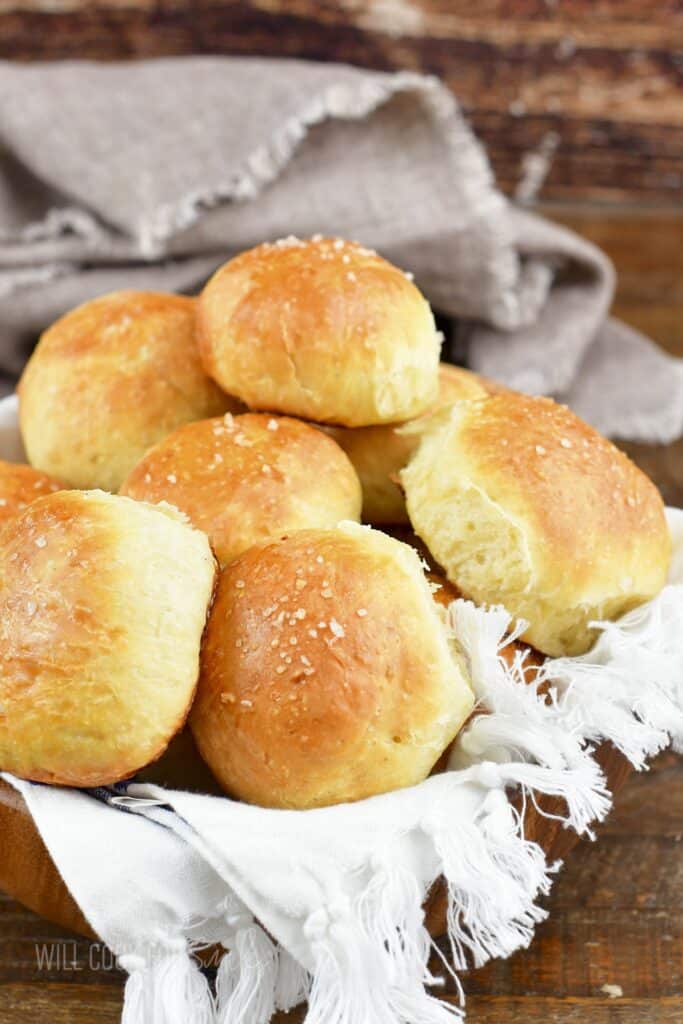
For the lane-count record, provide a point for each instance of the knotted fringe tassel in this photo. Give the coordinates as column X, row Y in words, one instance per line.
column 245, row 983
column 170, row 991
column 293, row 982
column 540, row 746
column 493, row 876
column 255, row 978
column 371, row 957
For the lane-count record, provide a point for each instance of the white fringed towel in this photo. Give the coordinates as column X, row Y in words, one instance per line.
column 326, row 905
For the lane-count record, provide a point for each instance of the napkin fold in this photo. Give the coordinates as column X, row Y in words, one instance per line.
column 150, row 174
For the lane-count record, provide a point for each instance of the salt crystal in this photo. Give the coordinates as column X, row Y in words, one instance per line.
column 362, row 612
column 280, row 669
column 326, row 592
column 300, row 613
column 272, row 425
column 31, row 607
column 246, row 703
column 240, row 584
column 40, row 542
column 540, row 450
column 566, row 443
column 172, row 478
column 337, row 628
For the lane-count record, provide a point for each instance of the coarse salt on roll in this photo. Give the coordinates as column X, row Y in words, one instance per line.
column 323, row 329
column 327, row 672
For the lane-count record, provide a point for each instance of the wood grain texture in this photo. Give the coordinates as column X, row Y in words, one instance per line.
column 598, row 83
column 645, row 247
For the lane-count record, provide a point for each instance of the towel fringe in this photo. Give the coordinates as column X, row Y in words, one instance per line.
column 171, row 990
column 371, row 957
column 247, row 978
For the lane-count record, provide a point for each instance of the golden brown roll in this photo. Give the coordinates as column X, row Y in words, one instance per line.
column 102, row 605
column 379, row 453
column 327, row 674
column 322, row 329
column 248, row 479
column 19, row 486
column 525, row 505
column 109, row 380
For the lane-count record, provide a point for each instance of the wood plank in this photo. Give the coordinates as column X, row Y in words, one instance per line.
column 603, row 79
column 81, row 1004
column 60, row 1004
column 524, row 1010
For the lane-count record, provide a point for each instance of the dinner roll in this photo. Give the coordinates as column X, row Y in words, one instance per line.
column 19, row 486
column 322, row 329
column 379, row 453
column 109, row 380
column 248, row 479
column 102, row 605
column 327, row 674
column 524, row 504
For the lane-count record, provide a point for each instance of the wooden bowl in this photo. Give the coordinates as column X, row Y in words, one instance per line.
column 28, row 873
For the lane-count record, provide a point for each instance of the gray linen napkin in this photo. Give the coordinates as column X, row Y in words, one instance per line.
column 149, row 175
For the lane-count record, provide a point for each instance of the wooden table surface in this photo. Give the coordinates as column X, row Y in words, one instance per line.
column 616, row 911
column 590, row 90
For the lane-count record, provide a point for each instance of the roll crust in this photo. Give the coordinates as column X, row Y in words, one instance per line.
column 110, row 379
column 379, row 453
column 323, row 329
column 102, row 605
column 524, row 504
column 249, row 479
column 327, row 675
column 21, row 485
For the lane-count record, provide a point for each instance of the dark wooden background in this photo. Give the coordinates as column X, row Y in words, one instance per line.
column 598, row 80
column 579, row 103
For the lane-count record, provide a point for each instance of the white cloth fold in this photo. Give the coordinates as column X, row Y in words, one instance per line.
column 150, row 174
